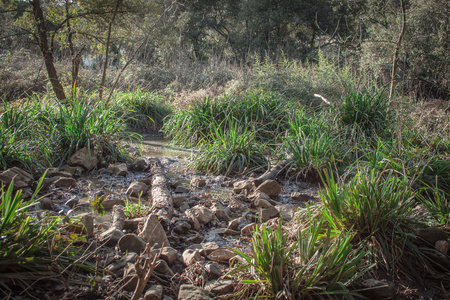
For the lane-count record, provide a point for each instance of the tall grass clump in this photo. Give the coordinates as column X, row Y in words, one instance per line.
column 32, row 246
column 318, row 264
column 311, row 142
column 233, row 150
column 143, row 111
column 378, row 208
column 263, row 112
column 38, row 132
column 437, row 202
column 365, row 110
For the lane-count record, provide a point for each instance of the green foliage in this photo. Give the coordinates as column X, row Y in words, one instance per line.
column 38, row 133
column 260, row 111
column 367, row 110
column 326, row 264
column 317, row 264
column 268, row 260
column 31, row 241
column 437, row 202
column 233, row 150
column 135, row 210
column 313, row 145
column 378, row 207
column 142, row 111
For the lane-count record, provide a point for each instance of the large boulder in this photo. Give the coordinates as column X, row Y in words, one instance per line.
column 84, row 158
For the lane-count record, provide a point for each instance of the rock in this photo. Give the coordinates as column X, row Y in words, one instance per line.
column 213, row 269
column 431, row 235
column 442, row 246
column 111, row 237
column 195, row 247
column 147, row 181
column 239, row 186
column 198, row 182
column 120, row 169
column 130, row 277
column 192, row 292
column 169, row 254
column 221, row 255
column 131, row 243
column 182, row 226
column 219, row 211
column 155, row 292
column 248, row 230
column 182, row 190
column 270, row 187
column 153, row 233
column 190, row 257
column 266, row 214
column 47, row 182
column 286, row 211
column 88, row 223
column 84, row 158
column 136, row 187
column 109, row 203
column 74, row 171
column 209, row 247
column 378, row 289
column 179, row 200
column 237, row 260
column 132, row 224
column 65, row 182
column 304, row 197
column 163, row 268
column 117, row 266
column 203, row 214
column 193, row 222
column 55, row 172
column 439, row 259
column 138, row 165
column 184, row 207
column 237, row 224
column 46, row 203
column 220, row 287
column 21, row 178
column 262, row 203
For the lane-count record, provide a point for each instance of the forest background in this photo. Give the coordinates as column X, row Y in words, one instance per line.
column 176, row 46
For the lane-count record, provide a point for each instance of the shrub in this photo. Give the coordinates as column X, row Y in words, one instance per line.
column 378, row 207
column 233, row 150
column 365, row 109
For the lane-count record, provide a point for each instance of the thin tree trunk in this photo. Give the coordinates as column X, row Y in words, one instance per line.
column 46, row 51
column 397, row 49
column 108, row 42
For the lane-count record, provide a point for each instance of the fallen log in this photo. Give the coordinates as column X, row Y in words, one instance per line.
column 162, row 203
column 273, row 171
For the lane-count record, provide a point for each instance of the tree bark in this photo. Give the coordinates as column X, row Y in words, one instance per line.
column 162, row 203
column 46, row 51
column 397, row 48
column 108, row 42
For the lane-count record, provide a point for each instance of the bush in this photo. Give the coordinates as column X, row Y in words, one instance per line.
column 378, row 207
column 233, row 150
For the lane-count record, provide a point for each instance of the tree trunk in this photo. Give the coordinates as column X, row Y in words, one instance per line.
column 108, row 42
column 46, row 51
column 397, row 48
